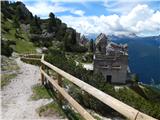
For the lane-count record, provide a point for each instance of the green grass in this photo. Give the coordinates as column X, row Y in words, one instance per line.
column 130, row 97
column 8, row 66
column 6, row 78
column 11, row 66
column 79, row 57
column 10, row 35
column 23, row 46
column 51, row 108
column 39, row 92
column 151, row 93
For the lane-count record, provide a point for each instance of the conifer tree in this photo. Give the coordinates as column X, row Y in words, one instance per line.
column 51, row 23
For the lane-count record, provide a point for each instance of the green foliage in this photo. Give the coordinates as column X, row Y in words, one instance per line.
column 125, row 94
column 53, row 108
column 6, row 10
column 15, row 22
column 5, row 79
column 6, row 49
column 72, row 115
column 22, row 46
column 19, row 13
column 80, row 57
column 51, row 27
column 151, row 93
column 78, row 48
column 70, row 43
column 135, row 100
column 35, row 26
column 32, row 62
column 87, row 58
column 91, row 45
column 13, row 33
column 39, row 92
column 61, row 32
column 135, row 78
column 7, row 65
column 52, row 16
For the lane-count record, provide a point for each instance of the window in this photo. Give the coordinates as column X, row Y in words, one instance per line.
column 99, row 48
column 108, row 78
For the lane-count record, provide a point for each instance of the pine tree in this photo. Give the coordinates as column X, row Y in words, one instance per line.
column 19, row 13
column 51, row 23
column 91, row 45
column 35, row 26
column 16, row 23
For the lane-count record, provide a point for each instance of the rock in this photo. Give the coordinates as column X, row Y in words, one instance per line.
column 44, row 36
column 39, row 50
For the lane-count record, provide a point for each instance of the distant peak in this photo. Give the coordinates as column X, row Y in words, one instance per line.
column 132, row 35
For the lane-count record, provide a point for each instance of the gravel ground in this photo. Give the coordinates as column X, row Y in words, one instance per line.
column 16, row 102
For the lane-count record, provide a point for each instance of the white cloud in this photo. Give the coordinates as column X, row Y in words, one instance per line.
column 138, row 13
column 151, row 25
column 120, row 6
column 43, row 8
column 76, row 1
column 141, row 20
column 60, row 1
column 78, row 12
column 87, row 24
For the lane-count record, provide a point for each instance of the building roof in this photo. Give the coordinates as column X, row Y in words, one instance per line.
column 101, row 37
column 116, row 48
column 110, row 47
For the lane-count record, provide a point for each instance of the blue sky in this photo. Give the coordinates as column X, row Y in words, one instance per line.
column 108, row 16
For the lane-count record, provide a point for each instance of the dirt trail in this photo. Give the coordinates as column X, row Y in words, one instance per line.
column 16, row 103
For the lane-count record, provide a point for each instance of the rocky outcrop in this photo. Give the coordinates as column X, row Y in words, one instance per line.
column 24, row 9
column 25, row 27
column 84, row 40
column 44, row 35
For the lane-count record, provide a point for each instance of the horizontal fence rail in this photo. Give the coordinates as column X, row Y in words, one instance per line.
column 30, row 58
column 124, row 109
column 73, row 103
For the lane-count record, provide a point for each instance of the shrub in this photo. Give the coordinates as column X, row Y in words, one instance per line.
column 6, row 49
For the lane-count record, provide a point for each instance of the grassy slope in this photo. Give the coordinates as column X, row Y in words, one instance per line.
column 7, row 66
column 40, row 92
column 6, row 78
column 150, row 106
column 22, row 44
column 52, row 107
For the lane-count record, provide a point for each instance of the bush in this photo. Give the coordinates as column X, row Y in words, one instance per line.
column 79, row 49
column 125, row 94
column 6, row 49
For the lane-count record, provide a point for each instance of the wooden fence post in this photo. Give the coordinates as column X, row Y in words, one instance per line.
column 59, row 81
column 42, row 76
column 47, row 82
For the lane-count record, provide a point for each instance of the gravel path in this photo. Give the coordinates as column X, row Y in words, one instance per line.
column 16, row 103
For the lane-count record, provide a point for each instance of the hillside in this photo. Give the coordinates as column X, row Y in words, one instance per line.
column 12, row 32
column 25, row 32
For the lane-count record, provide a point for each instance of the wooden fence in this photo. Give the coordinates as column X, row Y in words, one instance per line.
column 124, row 109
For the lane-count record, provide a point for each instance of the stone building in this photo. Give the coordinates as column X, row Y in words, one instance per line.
column 111, row 60
column 78, row 35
